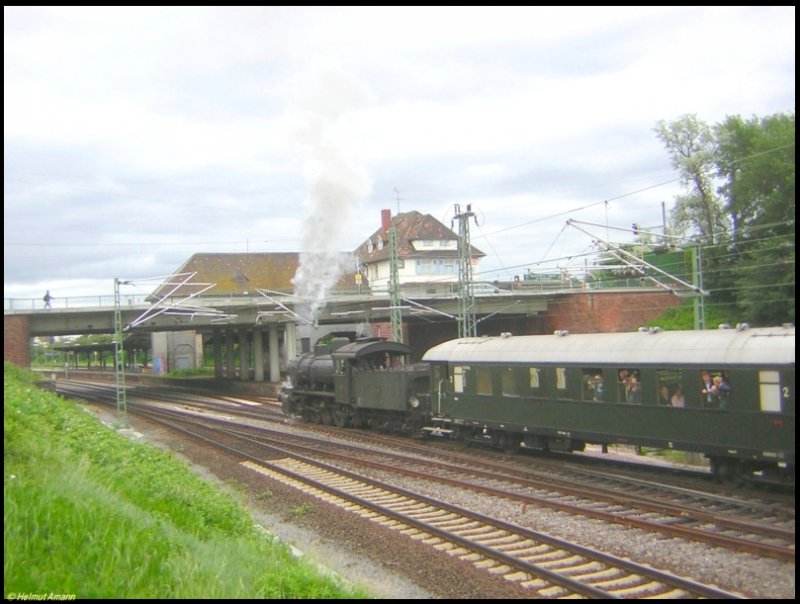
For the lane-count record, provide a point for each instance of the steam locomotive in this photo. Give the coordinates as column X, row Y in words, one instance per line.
column 728, row 393
column 367, row 383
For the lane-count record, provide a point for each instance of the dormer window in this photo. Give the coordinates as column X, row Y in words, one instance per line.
column 369, row 246
column 380, row 244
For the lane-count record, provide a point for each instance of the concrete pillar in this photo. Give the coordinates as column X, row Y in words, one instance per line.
column 231, row 371
column 290, row 341
column 244, row 355
column 258, row 354
column 274, row 357
column 200, row 353
column 217, row 341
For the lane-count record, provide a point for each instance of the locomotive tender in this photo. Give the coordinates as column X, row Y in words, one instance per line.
column 728, row 393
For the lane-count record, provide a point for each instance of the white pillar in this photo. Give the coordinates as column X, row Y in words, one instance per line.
column 290, row 342
column 231, row 370
column 217, row 352
column 274, row 357
column 244, row 356
column 258, row 354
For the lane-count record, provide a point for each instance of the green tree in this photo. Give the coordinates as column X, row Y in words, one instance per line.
column 692, row 147
column 739, row 200
column 756, row 160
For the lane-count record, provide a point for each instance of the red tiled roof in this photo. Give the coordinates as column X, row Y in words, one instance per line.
column 411, row 226
column 240, row 273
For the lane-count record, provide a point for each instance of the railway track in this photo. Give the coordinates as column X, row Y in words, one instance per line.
column 514, row 549
column 674, row 512
column 549, row 567
column 645, row 513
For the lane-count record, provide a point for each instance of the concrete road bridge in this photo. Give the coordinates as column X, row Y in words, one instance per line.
column 269, row 327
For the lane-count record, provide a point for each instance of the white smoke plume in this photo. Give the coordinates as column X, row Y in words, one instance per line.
column 326, row 98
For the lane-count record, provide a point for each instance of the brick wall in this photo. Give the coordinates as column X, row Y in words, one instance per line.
column 596, row 312
column 16, row 341
column 583, row 312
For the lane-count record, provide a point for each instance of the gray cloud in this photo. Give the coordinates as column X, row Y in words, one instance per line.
column 136, row 137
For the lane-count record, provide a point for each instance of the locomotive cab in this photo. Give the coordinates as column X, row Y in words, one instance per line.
column 376, row 387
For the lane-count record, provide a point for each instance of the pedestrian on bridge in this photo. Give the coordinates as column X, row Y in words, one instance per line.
column 47, row 298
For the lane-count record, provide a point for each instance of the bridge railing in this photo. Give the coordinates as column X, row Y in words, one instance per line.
column 73, row 302
column 443, row 289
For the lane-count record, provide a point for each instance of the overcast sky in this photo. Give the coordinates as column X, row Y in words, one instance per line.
column 134, row 138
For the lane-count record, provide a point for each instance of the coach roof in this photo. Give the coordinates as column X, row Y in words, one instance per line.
column 755, row 346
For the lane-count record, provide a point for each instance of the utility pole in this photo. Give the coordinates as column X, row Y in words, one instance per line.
column 395, row 313
column 119, row 357
column 697, row 281
column 467, row 325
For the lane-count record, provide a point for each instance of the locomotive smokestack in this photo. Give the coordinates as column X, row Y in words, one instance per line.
column 386, row 220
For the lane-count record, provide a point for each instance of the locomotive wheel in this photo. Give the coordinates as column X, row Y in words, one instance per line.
column 341, row 417
column 326, row 417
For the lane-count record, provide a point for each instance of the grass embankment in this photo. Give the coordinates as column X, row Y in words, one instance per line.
column 91, row 513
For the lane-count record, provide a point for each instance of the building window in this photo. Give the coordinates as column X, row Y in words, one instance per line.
column 436, row 266
column 423, row 267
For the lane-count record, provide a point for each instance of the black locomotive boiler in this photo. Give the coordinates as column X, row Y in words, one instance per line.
column 367, row 383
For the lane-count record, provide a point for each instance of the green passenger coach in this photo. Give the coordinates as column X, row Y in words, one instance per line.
column 726, row 393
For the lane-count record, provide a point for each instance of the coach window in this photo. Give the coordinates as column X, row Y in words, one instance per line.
column 483, row 380
column 715, row 388
column 669, row 388
column 629, row 387
column 769, row 390
column 533, row 373
column 592, row 384
column 561, row 379
column 458, row 378
column 508, row 382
